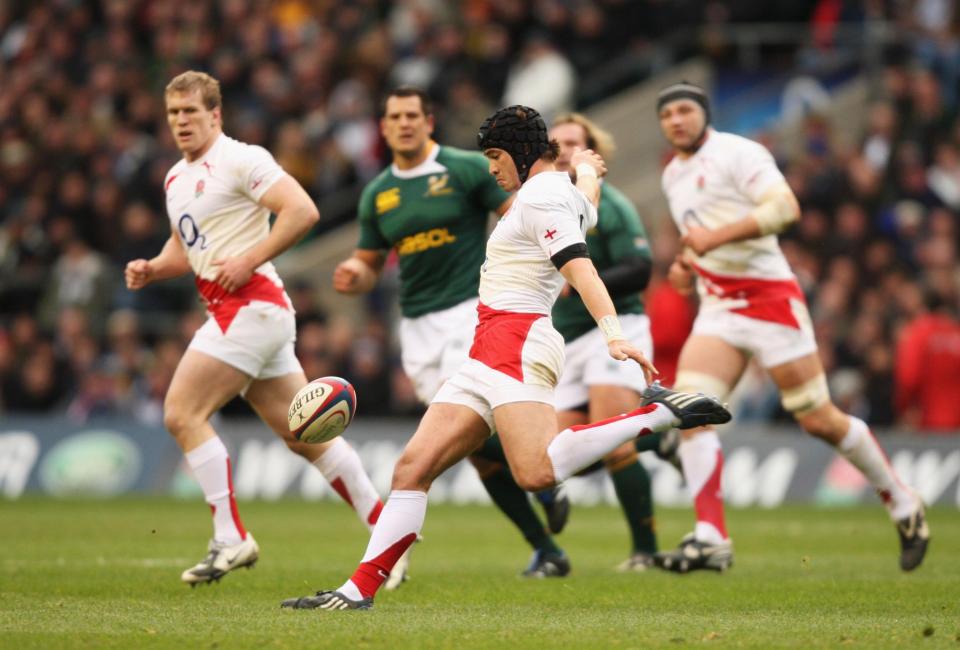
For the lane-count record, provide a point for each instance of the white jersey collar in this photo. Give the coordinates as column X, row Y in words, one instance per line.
column 201, row 159
column 428, row 166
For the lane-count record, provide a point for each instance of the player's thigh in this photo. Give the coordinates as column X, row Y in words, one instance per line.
column 526, row 429
column 447, row 434
column 715, row 362
column 711, row 355
column 201, row 385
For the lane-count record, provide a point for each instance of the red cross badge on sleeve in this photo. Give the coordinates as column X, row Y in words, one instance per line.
column 549, row 234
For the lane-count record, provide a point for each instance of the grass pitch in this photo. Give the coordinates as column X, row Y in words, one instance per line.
column 106, row 574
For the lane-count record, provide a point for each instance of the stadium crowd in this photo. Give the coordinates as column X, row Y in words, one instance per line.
column 84, row 148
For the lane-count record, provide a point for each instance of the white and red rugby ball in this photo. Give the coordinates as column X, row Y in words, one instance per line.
column 322, row 410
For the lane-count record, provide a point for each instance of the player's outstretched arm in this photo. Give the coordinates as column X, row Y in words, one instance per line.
column 296, row 215
column 359, row 272
column 582, row 276
column 777, row 210
column 170, row 263
column 589, row 166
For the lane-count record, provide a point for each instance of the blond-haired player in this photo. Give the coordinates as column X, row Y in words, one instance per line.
column 219, row 198
column 730, row 201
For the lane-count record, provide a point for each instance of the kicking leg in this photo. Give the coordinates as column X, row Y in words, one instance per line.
column 446, row 435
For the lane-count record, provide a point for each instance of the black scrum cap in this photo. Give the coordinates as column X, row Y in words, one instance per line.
column 684, row 90
column 518, row 130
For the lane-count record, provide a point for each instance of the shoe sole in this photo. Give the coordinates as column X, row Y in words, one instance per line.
column 206, row 580
column 679, row 566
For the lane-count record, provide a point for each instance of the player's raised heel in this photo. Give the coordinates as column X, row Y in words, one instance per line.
column 693, row 555
column 914, row 539
column 222, row 559
column 691, row 409
column 329, row 600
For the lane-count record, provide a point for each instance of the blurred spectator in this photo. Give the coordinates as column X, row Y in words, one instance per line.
column 928, row 368
column 541, row 78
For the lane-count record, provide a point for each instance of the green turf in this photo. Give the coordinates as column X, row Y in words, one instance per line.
column 106, row 574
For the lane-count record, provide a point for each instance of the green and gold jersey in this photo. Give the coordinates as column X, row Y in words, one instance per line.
column 435, row 215
column 619, row 234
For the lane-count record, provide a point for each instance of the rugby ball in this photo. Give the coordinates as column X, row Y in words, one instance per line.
column 322, row 410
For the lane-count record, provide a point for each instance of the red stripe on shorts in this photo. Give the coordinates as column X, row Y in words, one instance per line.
column 223, row 305
column 499, row 338
column 769, row 299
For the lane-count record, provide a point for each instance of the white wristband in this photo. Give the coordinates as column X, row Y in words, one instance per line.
column 610, row 326
column 585, row 169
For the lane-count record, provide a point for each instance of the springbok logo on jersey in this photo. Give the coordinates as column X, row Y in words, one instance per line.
column 388, row 200
column 437, row 185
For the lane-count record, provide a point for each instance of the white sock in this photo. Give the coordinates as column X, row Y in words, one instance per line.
column 398, row 527
column 340, row 465
column 864, row 452
column 581, row 446
column 211, row 467
column 702, row 460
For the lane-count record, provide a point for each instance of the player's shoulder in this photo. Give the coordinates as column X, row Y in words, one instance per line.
column 547, row 188
column 383, row 179
column 237, row 152
column 732, row 143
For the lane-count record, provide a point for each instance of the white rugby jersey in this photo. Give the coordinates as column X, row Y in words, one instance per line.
column 548, row 214
column 212, row 205
column 718, row 185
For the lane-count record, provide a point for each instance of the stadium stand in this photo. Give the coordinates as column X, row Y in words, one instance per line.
column 84, row 147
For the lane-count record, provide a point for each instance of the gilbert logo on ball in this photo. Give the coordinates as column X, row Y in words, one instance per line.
column 322, row 410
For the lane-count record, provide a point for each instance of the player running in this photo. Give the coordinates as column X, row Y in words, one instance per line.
column 517, row 357
column 219, row 199
column 594, row 386
column 432, row 205
column 730, row 201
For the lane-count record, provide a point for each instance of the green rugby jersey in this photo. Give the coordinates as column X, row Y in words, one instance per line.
column 619, row 233
column 435, row 215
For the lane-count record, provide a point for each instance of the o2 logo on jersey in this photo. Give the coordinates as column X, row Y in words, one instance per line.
column 190, row 232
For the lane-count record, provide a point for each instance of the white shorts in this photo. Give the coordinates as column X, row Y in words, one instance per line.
column 511, row 361
column 771, row 343
column 435, row 345
column 258, row 342
column 589, row 363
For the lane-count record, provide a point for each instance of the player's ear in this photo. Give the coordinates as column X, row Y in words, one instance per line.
column 430, row 124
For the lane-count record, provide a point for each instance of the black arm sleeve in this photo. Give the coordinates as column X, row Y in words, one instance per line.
column 569, row 253
column 631, row 275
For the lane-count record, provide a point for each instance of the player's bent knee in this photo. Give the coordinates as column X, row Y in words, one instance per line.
column 806, row 399
column 534, row 479
column 411, row 474
column 689, row 381
column 178, row 420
